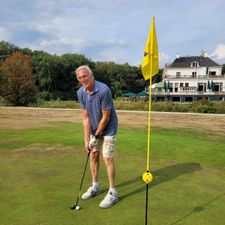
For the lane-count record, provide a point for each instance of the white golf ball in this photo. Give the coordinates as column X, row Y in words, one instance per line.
column 77, row 207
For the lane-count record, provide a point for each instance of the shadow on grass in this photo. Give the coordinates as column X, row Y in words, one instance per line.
column 161, row 176
column 198, row 209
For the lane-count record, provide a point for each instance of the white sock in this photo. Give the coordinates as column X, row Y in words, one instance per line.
column 95, row 184
column 113, row 191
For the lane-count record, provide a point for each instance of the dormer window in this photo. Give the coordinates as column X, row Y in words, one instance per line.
column 194, row 64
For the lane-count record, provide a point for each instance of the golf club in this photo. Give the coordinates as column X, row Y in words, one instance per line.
column 75, row 205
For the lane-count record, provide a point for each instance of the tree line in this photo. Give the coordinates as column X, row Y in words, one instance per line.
column 27, row 75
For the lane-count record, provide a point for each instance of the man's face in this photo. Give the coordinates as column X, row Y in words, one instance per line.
column 85, row 78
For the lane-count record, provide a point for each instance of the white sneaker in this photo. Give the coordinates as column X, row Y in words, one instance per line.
column 109, row 200
column 91, row 192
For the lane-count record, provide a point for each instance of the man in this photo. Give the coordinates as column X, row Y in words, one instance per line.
column 100, row 127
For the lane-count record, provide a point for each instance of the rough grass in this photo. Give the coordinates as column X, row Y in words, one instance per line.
column 41, row 170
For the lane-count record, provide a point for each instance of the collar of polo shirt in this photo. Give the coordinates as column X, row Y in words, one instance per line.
column 96, row 89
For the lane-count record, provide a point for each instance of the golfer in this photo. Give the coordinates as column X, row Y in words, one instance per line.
column 100, row 127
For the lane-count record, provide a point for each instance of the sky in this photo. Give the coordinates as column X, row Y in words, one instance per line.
column 115, row 30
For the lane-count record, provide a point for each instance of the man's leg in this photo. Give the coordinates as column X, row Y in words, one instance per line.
column 108, row 151
column 94, row 165
column 110, row 166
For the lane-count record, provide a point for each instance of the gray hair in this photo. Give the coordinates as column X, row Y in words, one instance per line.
column 84, row 67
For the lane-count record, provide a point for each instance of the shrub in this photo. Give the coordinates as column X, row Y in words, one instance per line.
column 19, row 84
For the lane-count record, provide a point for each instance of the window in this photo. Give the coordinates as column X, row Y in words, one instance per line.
column 178, row 74
column 171, row 87
column 181, row 84
column 194, row 64
column 212, row 73
column 189, row 99
column 176, row 99
column 200, row 87
column 176, row 87
column 194, row 74
column 186, row 84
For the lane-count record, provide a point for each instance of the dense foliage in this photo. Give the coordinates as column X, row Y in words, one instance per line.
column 18, row 84
column 55, row 77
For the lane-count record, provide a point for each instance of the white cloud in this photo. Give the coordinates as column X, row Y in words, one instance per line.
column 4, row 34
column 219, row 53
column 96, row 49
column 60, row 45
column 163, row 59
column 114, row 30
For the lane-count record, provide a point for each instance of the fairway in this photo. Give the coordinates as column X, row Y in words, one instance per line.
column 42, row 162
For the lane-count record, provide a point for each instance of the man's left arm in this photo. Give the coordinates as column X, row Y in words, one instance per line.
column 103, row 122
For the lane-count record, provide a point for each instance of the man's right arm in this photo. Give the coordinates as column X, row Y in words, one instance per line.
column 87, row 128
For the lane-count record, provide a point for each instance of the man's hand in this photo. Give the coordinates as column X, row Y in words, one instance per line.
column 93, row 141
column 88, row 150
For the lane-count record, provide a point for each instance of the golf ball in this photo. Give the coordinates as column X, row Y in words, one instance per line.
column 77, row 207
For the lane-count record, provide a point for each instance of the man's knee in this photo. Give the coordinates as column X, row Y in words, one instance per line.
column 108, row 161
column 94, row 156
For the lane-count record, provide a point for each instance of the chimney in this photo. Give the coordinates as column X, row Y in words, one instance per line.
column 204, row 53
column 177, row 56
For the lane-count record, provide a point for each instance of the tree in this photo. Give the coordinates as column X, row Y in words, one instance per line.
column 18, row 84
column 158, row 77
column 6, row 49
column 65, row 83
column 112, row 74
column 223, row 69
column 55, row 76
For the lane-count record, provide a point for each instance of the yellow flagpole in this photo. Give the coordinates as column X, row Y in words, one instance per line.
column 149, row 118
column 149, row 69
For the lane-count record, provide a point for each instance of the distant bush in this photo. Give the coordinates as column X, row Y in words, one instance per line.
column 120, row 104
column 169, row 107
column 220, row 107
column 3, row 102
column 131, row 105
column 56, row 104
column 203, row 107
column 44, row 95
column 195, row 107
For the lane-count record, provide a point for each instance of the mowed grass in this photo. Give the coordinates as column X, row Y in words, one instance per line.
column 41, row 169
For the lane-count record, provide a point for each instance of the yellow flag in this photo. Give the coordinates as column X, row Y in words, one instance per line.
column 150, row 64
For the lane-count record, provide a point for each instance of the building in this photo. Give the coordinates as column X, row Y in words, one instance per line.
column 191, row 78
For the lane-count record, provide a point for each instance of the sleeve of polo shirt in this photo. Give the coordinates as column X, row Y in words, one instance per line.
column 106, row 100
column 80, row 99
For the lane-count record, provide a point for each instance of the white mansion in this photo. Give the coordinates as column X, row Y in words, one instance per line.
column 191, row 78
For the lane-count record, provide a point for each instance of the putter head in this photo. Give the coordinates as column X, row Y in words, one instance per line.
column 73, row 206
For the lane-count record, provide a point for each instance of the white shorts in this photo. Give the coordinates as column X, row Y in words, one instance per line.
column 108, row 145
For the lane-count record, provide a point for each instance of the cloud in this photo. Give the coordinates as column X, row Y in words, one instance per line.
column 95, row 49
column 163, row 59
column 113, row 30
column 60, row 45
column 219, row 53
column 3, row 34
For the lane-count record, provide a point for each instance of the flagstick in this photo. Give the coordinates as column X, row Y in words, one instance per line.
column 150, row 103
column 151, row 50
column 149, row 139
column 149, row 124
column 146, row 206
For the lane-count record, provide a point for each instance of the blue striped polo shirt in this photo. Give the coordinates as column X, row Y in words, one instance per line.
column 100, row 99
